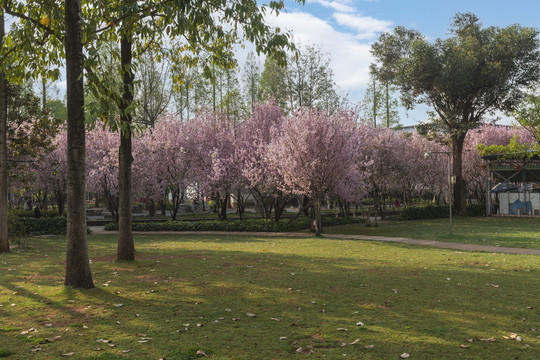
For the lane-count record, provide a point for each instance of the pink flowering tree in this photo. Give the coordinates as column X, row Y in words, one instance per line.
column 102, row 166
column 252, row 149
column 51, row 172
column 314, row 153
column 218, row 167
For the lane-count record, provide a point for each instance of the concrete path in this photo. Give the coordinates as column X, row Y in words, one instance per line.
column 408, row 241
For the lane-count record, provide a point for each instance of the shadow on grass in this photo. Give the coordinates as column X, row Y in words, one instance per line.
column 422, row 301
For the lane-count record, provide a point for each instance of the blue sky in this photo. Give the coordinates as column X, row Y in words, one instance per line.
column 346, row 29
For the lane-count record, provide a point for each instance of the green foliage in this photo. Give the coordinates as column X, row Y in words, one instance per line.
column 188, row 354
column 515, row 150
column 45, row 225
column 437, row 211
column 250, row 225
column 29, row 213
column 5, row 353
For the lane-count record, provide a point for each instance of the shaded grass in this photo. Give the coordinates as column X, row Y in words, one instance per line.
column 522, row 232
column 191, row 293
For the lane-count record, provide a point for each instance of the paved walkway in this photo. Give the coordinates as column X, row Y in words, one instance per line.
column 431, row 243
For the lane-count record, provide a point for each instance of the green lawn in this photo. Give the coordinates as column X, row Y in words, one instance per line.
column 189, row 293
column 523, row 232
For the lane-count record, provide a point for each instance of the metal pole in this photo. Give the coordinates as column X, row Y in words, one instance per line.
column 450, row 190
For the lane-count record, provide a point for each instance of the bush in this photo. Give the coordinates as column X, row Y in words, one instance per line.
column 30, row 213
column 45, row 225
column 250, row 225
column 437, row 211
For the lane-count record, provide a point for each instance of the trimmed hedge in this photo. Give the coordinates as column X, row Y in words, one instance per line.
column 250, row 225
column 45, row 225
column 52, row 213
column 437, row 211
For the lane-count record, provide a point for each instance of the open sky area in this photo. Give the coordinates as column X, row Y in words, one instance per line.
column 345, row 29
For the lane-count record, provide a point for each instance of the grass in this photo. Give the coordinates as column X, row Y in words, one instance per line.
column 190, row 293
column 522, row 232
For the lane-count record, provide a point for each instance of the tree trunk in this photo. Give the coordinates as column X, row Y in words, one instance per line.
column 460, row 203
column 126, row 247
column 78, row 272
column 4, row 243
column 317, row 211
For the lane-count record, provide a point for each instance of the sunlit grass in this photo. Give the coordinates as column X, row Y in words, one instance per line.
column 191, row 293
column 523, row 232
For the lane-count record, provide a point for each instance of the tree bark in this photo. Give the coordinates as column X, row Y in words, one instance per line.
column 126, row 246
column 460, row 203
column 317, row 210
column 77, row 264
column 4, row 242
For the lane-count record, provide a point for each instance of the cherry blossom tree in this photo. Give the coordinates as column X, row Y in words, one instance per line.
column 252, row 150
column 314, row 153
column 102, row 166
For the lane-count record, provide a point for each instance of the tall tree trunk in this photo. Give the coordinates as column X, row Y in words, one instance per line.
column 4, row 243
column 78, row 272
column 460, row 203
column 126, row 247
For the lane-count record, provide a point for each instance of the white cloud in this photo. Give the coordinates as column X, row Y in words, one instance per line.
column 337, row 5
column 350, row 57
column 366, row 26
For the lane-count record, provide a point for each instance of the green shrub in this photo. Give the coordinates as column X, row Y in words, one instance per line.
column 5, row 353
column 437, row 211
column 250, row 225
column 45, row 225
column 30, row 213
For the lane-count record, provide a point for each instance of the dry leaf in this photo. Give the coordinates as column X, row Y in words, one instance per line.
column 251, row 315
column 354, row 342
column 97, row 349
column 282, row 338
column 514, row 336
column 68, row 354
column 126, row 351
column 26, row 332
column 275, row 319
column 470, row 340
column 464, row 346
column 342, row 329
column 490, row 339
column 359, row 323
column 36, row 349
column 404, row 356
column 369, row 346
column 200, row 352
column 53, row 339
column 307, row 350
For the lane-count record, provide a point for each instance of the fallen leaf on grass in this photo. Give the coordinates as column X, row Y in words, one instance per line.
column 118, row 305
column 464, row 346
column 342, row 329
column 36, row 349
column 251, row 315
column 354, row 342
column 369, row 346
column 359, row 323
column 68, row 354
column 490, row 339
column 282, row 338
column 97, row 349
column 53, row 339
column 126, row 351
column 514, row 336
column 275, row 319
column 200, row 352
column 307, row 350
column 26, row 332
column 470, row 340
column 404, row 356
